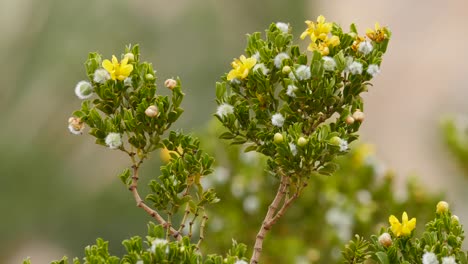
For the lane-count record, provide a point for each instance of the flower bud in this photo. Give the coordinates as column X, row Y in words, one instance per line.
column 335, row 141
column 75, row 125
column 442, row 207
column 278, row 138
column 152, row 111
column 130, row 57
column 455, row 219
column 349, row 120
column 286, row 69
column 358, row 115
column 170, row 83
column 149, row 77
column 302, row 141
column 385, row 240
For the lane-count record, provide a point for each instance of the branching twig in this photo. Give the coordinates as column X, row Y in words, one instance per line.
column 184, row 218
column 140, row 203
column 266, row 225
column 202, row 229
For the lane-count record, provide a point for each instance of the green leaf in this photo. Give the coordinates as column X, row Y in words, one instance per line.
column 382, row 257
column 220, row 90
column 125, row 175
column 227, row 135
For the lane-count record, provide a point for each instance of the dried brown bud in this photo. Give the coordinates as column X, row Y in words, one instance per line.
column 75, row 125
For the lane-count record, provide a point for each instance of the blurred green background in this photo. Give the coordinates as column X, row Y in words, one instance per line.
column 59, row 192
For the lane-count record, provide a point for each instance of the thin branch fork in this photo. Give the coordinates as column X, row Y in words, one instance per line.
column 140, row 203
column 267, row 223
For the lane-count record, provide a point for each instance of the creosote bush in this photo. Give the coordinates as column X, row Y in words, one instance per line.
column 299, row 110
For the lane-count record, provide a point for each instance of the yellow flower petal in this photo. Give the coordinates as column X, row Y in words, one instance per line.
column 124, row 61
column 404, row 218
column 106, row 64
column 114, row 60
column 377, row 26
column 320, row 19
column 393, row 220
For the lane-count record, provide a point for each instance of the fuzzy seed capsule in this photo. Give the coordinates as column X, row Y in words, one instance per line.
column 170, row 83
column 152, row 111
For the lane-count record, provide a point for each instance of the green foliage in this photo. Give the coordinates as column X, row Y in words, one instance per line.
column 456, row 137
column 296, row 95
column 130, row 116
column 155, row 249
column 441, row 241
column 356, row 251
column 120, row 106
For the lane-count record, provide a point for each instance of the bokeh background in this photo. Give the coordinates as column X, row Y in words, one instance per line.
column 58, row 192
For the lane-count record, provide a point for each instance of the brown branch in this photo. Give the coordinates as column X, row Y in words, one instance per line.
column 202, row 230
column 140, row 203
column 184, row 218
column 266, row 225
column 286, row 204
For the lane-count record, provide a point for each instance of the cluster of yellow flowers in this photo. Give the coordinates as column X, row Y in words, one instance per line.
column 241, row 68
column 319, row 35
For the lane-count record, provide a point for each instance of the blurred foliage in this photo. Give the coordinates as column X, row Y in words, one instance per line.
column 456, row 137
column 357, row 199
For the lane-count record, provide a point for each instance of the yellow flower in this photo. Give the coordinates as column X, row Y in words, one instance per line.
column 319, row 35
column 119, row 71
column 323, row 46
column 241, row 68
column 403, row 228
column 317, row 30
column 378, row 34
